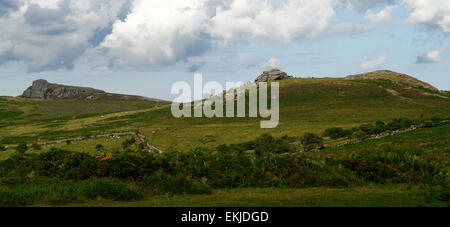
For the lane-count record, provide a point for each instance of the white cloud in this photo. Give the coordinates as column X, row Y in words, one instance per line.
column 372, row 64
column 429, row 57
column 272, row 63
column 50, row 35
column 430, row 12
column 384, row 15
column 163, row 32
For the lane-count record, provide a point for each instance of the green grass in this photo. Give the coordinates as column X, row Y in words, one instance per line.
column 370, row 196
column 306, row 105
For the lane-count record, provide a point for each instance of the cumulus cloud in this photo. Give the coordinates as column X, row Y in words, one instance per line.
column 429, row 57
column 163, row 32
column 272, row 63
column 430, row 12
column 7, row 6
column 373, row 63
column 52, row 34
column 384, row 15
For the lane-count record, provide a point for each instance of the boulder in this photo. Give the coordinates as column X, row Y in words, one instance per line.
column 272, row 75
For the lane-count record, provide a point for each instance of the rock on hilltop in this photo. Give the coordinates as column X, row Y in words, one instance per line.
column 41, row 89
column 274, row 74
column 393, row 76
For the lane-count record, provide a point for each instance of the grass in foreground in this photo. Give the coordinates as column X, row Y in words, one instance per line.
column 370, row 196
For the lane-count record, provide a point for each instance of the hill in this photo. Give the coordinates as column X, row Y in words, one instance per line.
column 42, row 89
column 99, row 143
column 392, row 76
column 306, row 105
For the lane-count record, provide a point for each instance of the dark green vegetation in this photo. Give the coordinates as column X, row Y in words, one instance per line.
column 232, row 162
column 60, row 177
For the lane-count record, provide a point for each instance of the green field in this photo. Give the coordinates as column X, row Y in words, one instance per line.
column 205, row 161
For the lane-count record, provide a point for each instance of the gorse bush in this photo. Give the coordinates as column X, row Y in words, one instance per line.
column 36, row 147
column 109, row 189
column 263, row 144
column 99, row 147
column 22, row 148
column 311, row 141
column 163, row 183
column 128, row 142
column 55, row 192
column 336, row 133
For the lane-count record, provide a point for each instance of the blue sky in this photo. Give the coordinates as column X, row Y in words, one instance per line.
column 143, row 47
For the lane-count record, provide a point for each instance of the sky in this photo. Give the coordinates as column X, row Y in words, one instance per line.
column 143, row 47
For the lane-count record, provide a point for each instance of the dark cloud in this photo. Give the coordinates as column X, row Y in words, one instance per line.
column 195, row 67
column 125, row 10
column 188, row 46
column 99, row 35
column 37, row 16
column 7, row 6
column 430, row 57
column 65, row 56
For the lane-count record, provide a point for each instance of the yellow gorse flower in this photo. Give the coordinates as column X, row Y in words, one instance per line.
column 104, row 156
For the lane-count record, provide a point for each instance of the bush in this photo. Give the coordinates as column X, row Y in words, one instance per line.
column 268, row 144
column 360, row 135
column 311, row 141
column 68, row 142
column 2, row 148
column 379, row 128
column 99, row 147
column 163, row 183
column 336, row 133
column 366, row 128
column 36, row 147
column 128, row 142
column 22, row 148
column 399, row 123
column 109, row 189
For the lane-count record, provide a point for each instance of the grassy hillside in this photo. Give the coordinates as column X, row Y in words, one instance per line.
column 306, row 105
column 410, row 169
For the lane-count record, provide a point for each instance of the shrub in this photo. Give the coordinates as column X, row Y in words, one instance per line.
column 162, row 183
column 360, row 135
column 399, row 123
column 366, row 128
column 267, row 143
column 36, row 147
column 311, row 141
column 336, row 133
column 68, row 142
column 128, row 142
column 379, row 128
column 99, row 147
column 2, row 148
column 22, row 148
column 109, row 189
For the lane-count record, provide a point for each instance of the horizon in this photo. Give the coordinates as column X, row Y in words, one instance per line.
column 190, row 82
column 142, row 47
